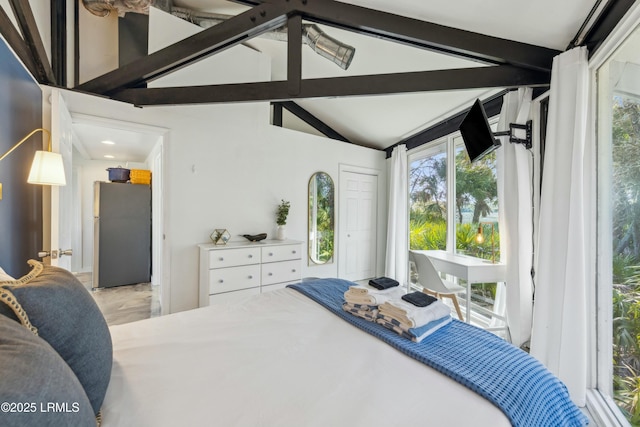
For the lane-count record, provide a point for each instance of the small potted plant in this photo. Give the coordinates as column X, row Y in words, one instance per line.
column 281, row 218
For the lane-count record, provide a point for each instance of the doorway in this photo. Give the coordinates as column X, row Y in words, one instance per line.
column 99, row 144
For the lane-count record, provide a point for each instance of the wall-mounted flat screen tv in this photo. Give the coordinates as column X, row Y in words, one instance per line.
column 476, row 133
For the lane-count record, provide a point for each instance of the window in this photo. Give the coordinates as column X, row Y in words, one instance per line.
column 618, row 283
column 428, row 199
column 439, row 221
column 434, row 217
column 476, row 205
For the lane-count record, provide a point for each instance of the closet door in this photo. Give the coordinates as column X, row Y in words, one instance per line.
column 357, row 225
column 62, row 211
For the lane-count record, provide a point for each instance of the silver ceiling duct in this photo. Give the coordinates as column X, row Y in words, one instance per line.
column 103, row 8
column 321, row 43
column 328, row 47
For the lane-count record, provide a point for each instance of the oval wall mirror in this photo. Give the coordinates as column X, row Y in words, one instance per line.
column 321, row 222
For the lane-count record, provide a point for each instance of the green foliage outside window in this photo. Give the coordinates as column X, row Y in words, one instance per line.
column 324, row 209
column 476, row 199
column 626, row 256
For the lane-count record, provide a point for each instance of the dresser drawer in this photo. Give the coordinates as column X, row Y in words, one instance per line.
column 286, row 271
column 280, row 253
column 233, row 257
column 234, row 278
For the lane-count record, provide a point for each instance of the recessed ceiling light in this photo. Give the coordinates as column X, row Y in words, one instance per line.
column 108, row 156
column 106, row 141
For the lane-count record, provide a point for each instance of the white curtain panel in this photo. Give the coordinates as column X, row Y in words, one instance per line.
column 515, row 165
column 559, row 336
column 398, row 217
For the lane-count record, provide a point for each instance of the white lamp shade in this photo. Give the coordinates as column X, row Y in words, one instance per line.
column 47, row 169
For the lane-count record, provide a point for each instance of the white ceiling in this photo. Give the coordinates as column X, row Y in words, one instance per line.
column 125, row 145
column 381, row 121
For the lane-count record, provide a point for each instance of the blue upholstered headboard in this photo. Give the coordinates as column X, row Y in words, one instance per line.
column 21, row 204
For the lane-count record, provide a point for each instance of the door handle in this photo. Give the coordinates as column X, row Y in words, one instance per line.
column 44, row 254
column 55, row 254
column 67, row 252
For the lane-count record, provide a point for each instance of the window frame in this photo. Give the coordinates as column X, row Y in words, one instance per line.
column 431, row 148
column 600, row 403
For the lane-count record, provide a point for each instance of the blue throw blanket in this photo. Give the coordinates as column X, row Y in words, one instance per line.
column 517, row 383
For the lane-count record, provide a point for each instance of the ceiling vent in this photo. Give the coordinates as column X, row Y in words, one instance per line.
column 321, row 43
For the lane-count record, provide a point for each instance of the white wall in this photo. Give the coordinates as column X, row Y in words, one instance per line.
column 227, row 167
column 236, row 177
column 98, row 44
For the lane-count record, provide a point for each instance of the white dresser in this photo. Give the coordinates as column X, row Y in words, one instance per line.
column 244, row 268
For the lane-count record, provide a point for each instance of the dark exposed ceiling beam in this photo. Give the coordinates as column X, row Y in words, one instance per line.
column 294, row 53
column 591, row 34
column 277, row 114
column 269, row 15
column 429, row 35
column 606, row 22
column 29, row 28
column 227, row 34
column 59, row 41
column 423, row 34
column 311, row 120
column 13, row 37
column 421, row 81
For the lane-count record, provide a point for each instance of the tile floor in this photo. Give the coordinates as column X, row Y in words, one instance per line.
column 124, row 304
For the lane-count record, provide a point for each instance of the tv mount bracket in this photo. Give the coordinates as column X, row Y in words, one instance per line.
column 514, row 139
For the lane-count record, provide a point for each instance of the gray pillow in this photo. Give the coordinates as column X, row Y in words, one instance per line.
column 68, row 318
column 37, row 388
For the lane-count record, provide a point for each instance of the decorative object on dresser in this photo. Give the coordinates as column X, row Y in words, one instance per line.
column 281, row 218
column 243, row 268
column 220, row 236
column 255, row 237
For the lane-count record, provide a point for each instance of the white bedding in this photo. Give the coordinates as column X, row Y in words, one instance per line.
column 277, row 359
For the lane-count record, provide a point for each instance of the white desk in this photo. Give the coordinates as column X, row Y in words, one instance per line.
column 468, row 268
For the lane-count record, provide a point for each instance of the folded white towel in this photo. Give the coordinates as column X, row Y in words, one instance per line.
column 372, row 296
column 415, row 334
column 408, row 314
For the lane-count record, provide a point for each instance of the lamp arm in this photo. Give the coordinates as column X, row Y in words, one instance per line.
column 26, row 138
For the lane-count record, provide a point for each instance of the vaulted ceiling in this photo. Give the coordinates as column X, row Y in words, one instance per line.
column 416, row 63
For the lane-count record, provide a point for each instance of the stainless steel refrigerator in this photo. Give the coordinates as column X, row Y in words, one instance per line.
column 122, row 234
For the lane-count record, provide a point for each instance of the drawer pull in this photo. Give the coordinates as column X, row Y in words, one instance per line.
column 293, row 271
column 270, row 274
column 221, row 259
column 220, row 281
column 293, row 252
column 250, row 256
column 270, row 253
column 250, row 277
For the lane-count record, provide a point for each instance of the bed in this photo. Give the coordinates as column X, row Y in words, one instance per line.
column 282, row 359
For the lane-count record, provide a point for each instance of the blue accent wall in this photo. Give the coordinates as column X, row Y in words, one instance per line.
column 21, row 204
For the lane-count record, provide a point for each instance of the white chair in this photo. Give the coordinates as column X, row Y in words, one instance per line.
column 433, row 283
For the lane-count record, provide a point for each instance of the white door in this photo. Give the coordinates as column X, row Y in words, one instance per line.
column 61, row 197
column 358, row 225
